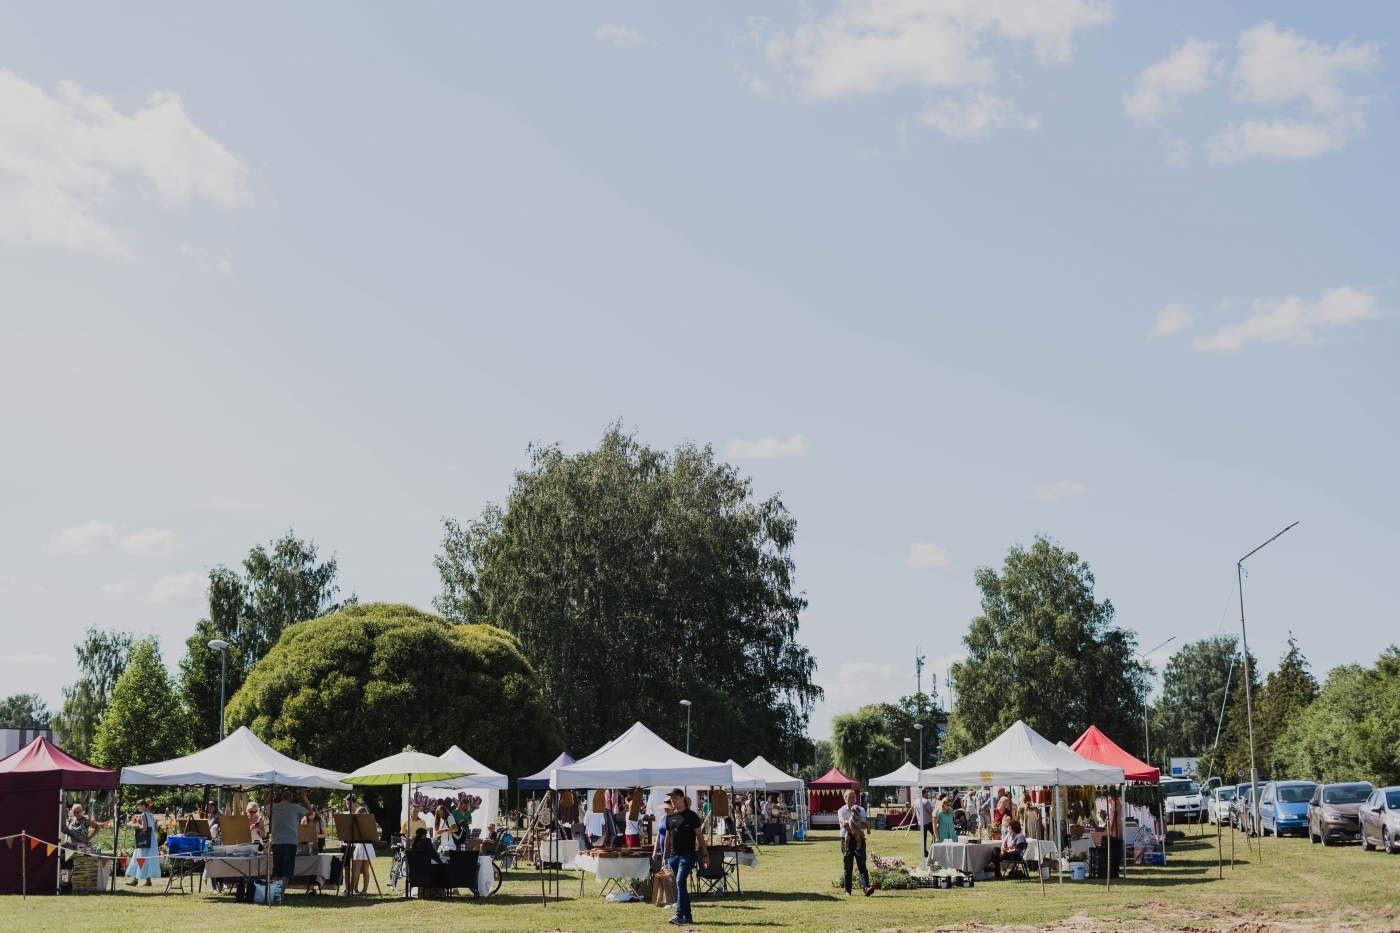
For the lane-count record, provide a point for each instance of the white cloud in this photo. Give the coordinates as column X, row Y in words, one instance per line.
column 92, row 538
column 1284, row 139
column 873, row 46
column 1171, row 319
column 1292, row 320
column 621, row 36
column 767, row 448
column 179, row 588
column 59, row 155
column 152, row 543
column 123, row 587
column 1189, row 69
column 859, row 681
column 976, row 115
column 1061, row 490
column 1279, row 67
column 923, row 555
column 97, row 537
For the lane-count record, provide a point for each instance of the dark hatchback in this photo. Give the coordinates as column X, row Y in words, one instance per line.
column 1334, row 812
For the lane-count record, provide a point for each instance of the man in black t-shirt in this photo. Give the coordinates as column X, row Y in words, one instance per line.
column 682, row 842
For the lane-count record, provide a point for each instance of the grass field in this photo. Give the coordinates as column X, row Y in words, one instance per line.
column 1296, row 885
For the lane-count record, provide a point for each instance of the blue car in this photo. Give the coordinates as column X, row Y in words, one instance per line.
column 1283, row 806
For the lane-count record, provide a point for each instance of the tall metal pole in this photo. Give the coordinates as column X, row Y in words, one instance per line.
column 221, row 646
column 920, row 727
column 1248, row 693
column 686, row 704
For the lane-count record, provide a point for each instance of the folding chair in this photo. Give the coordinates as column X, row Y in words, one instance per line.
column 1013, row 864
column 714, row 878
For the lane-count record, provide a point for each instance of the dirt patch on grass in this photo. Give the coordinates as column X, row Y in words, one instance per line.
column 1177, row 921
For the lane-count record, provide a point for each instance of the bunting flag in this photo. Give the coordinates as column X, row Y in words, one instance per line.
column 10, row 842
column 49, row 849
column 140, row 863
column 121, row 862
column 33, row 843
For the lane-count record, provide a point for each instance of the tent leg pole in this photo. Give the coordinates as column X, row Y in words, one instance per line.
column 1059, row 844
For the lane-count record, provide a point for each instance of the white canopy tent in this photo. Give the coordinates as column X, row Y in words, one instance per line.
column 743, row 778
column 481, row 782
column 240, row 760
column 1022, row 756
column 907, row 775
column 778, row 780
column 640, row 758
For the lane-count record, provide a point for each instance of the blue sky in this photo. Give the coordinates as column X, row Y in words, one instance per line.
column 945, row 275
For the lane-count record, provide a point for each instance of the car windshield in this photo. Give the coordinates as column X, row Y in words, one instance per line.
column 1178, row 788
column 1225, row 793
column 1392, row 799
column 1346, row 793
column 1295, row 793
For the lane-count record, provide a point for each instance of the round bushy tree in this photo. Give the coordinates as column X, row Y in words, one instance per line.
column 346, row 689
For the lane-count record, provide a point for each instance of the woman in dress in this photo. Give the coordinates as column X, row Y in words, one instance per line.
column 360, row 857
column 145, row 858
column 444, row 830
column 943, row 822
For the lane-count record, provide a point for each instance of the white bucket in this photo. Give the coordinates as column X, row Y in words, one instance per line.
column 1078, row 871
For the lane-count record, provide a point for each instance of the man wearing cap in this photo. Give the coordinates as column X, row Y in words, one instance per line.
column 682, row 841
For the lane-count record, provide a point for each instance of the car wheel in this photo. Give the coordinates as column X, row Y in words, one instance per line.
column 1366, row 842
column 1388, row 842
column 1325, row 839
column 1312, row 836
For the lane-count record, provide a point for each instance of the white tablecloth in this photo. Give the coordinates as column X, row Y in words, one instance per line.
column 968, row 857
column 562, row 851
column 605, row 868
column 747, row 859
column 307, row 866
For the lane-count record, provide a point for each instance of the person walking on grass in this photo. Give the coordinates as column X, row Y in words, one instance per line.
column 853, row 829
column 145, row 858
column 923, row 809
column 682, row 842
column 283, row 819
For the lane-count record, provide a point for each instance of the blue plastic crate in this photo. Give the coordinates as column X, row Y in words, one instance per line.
column 185, row 845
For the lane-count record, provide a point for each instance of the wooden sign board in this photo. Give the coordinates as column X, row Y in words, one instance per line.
column 193, row 827
column 234, row 830
column 356, row 827
column 306, row 832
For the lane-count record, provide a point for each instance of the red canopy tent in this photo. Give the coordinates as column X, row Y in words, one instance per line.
column 31, row 782
column 1096, row 746
column 825, row 796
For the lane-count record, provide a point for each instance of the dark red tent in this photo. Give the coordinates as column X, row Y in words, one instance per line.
column 30, row 783
column 824, row 795
column 1096, row 746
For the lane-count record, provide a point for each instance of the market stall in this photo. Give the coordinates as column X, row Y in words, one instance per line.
column 32, row 782
column 1021, row 756
column 826, row 795
column 240, row 761
column 785, row 785
column 480, row 782
column 1096, row 746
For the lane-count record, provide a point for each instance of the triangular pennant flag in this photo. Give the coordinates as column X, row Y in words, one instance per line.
column 10, row 842
column 33, row 843
column 140, row 863
column 49, row 849
column 121, row 862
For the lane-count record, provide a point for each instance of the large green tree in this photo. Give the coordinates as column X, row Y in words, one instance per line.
column 281, row 585
column 900, row 719
column 859, row 745
column 634, row 578
column 1186, row 716
column 102, row 657
column 1287, row 692
column 346, row 689
column 145, row 721
column 24, row 711
column 1045, row 651
column 1325, row 742
column 1234, row 741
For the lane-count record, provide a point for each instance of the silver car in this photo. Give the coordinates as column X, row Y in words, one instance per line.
column 1380, row 820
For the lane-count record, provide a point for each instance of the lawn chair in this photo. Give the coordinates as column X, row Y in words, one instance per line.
column 714, row 878
column 1013, row 864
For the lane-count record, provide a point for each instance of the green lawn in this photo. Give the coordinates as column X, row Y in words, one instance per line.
column 792, row 890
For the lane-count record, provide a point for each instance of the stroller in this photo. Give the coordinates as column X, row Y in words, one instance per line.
column 961, row 826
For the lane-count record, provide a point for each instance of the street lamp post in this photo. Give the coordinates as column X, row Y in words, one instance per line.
column 221, row 646
column 1255, row 820
column 1147, row 736
column 920, row 726
column 907, row 740
column 686, row 704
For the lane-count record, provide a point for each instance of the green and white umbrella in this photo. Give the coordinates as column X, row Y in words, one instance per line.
column 405, row 768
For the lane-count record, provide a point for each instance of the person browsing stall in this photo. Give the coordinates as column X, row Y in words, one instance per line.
column 414, row 823
column 283, row 817
column 444, row 829
column 80, row 829
column 944, row 830
column 923, row 809
column 853, row 830
column 683, row 839
column 145, row 858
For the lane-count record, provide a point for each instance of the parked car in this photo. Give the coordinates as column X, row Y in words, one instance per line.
column 1283, row 807
column 1333, row 811
column 1218, row 802
column 1239, row 807
column 1380, row 820
column 1181, row 801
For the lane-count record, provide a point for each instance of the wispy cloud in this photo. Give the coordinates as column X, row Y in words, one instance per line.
column 860, row 681
column 1189, row 69
column 923, row 555
column 179, row 588
column 767, row 448
column 1064, row 489
column 1172, row 319
column 621, row 36
column 975, row 116
column 97, row 537
column 61, row 156
column 1292, row 320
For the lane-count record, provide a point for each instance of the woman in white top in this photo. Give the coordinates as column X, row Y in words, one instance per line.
column 361, row 854
column 255, row 822
column 444, row 828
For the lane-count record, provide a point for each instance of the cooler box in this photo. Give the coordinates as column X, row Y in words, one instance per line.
column 185, row 845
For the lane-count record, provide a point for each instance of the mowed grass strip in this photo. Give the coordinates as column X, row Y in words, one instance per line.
column 794, row 890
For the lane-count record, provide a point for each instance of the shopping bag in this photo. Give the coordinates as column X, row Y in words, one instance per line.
column 663, row 888
column 260, row 892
